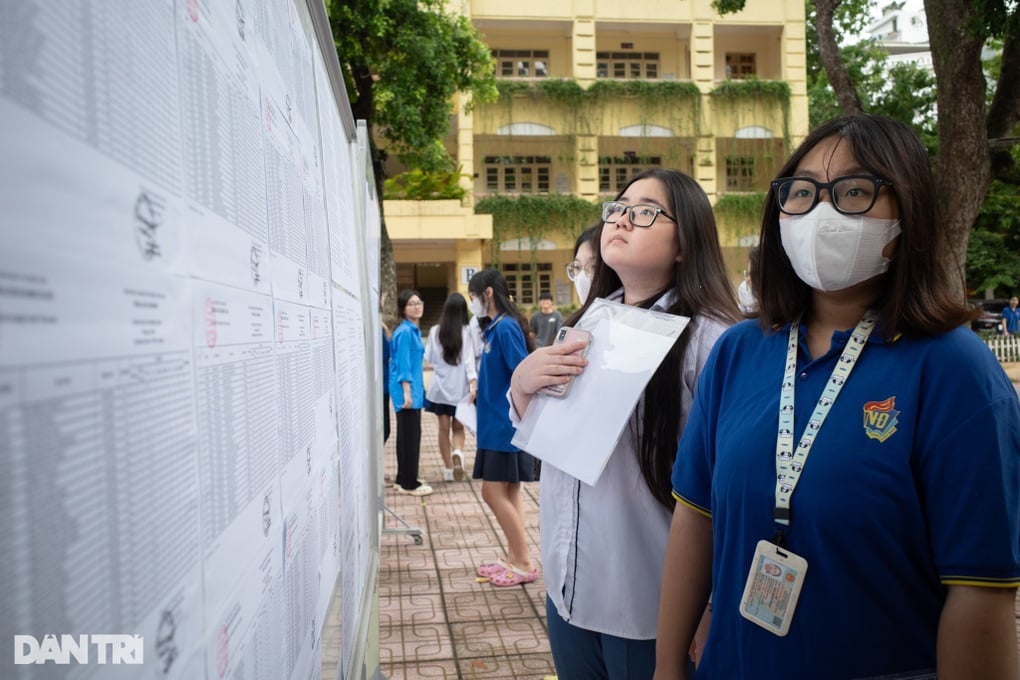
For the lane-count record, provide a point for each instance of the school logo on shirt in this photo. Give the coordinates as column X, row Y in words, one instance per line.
column 880, row 418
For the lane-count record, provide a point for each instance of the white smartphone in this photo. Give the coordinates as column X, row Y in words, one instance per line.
column 568, row 334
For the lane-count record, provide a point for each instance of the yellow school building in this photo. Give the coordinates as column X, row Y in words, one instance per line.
column 592, row 92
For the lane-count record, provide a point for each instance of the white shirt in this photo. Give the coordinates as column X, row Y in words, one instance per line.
column 746, row 297
column 450, row 381
column 477, row 340
column 603, row 546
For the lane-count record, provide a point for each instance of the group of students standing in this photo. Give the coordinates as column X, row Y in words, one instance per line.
column 708, row 540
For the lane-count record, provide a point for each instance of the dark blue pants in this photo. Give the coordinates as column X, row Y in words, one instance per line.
column 581, row 654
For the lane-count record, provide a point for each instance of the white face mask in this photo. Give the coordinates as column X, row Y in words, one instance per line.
column 476, row 307
column 582, row 284
column 833, row 251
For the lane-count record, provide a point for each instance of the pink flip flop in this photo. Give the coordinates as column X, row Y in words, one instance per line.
column 489, row 568
column 512, row 576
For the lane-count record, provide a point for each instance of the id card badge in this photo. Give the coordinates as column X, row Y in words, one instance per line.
column 773, row 586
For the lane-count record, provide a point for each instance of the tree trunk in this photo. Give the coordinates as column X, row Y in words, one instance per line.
column 832, row 60
column 962, row 164
column 1004, row 111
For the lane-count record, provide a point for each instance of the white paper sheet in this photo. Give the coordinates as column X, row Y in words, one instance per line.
column 578, row 434
column 467, row 414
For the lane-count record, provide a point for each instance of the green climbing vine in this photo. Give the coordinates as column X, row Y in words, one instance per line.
column 672, row 104
column 749, row 101
column 604, row 105
column 534, row 217
column 739, row 214
column 734, row 95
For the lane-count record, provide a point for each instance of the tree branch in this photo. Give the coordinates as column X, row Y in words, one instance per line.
column 828, row 50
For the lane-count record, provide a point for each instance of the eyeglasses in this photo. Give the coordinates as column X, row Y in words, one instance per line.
column 641, row 215
column 851, row 195
column 574, row 270
column 416, row 303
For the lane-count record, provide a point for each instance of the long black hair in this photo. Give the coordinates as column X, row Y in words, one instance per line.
column 451, row 327
column 490, row 278
column 592, row 233
column 701, row 288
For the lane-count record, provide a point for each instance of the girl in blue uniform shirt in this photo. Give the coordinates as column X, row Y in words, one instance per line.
column 603, row 545
column 407, row 388
column 498, row 463
column 847, row 485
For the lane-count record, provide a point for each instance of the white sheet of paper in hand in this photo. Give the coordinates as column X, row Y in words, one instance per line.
column 467, row 414
column 578, row 434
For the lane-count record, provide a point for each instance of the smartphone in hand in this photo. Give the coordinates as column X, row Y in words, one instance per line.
column 568, row 334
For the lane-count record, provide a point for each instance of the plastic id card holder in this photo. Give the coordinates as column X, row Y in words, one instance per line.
column 773, row 587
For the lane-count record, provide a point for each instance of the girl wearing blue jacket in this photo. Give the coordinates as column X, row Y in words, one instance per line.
column 407, row 389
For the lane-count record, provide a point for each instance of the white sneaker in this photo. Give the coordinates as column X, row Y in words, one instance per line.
column 448, row 475
column 458, row 465
column 422, row 490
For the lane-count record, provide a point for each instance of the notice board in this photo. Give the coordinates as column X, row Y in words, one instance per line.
column 189, row 342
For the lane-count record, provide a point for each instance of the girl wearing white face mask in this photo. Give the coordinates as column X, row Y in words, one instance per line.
column 582, row 269
column 851, row 440
column 500, row 465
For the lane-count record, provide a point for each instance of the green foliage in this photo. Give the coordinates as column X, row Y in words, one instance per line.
column 677, row 104
column 739, row 214
column 850, row 18
column 997, row 18
column 751, row 95
column 777, row 90
column 534, row 217
column 903, row 91
column 417, row 185
column 648, row 90
column 724, row 7
column 403, row 62
column 743, row 206
column 569, row 93
column 864, row 63
column 509, row 87
column 910, row 98
column 993, row 251
column 561, row 90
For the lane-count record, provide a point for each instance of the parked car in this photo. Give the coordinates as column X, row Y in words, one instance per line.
column 991, row 315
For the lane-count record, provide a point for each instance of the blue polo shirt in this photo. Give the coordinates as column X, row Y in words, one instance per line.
column 1012, row 317
column 912, row 485
column 407, row 354
column 504, row 348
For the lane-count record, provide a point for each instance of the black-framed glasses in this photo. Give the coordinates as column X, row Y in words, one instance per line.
column 850, row 195
column 641, row 215
column 574, row 270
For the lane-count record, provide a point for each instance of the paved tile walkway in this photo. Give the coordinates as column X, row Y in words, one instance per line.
column 435, row 619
